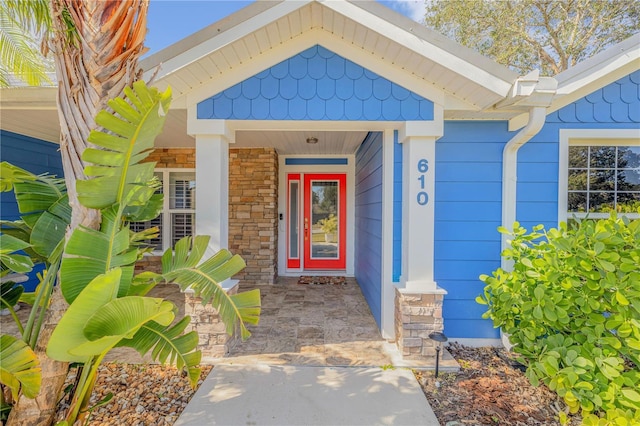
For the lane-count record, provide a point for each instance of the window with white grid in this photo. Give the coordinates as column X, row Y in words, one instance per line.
column 602, row 175
column 178, row 213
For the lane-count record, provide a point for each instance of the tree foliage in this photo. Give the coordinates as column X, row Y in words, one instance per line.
column 528, row 34
column 22, row 23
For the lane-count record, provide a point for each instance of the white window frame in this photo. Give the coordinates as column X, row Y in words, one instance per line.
column 167, row 238
column 587, row 137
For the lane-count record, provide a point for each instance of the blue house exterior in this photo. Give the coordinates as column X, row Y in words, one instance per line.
column 417, row 147
column 36, row 156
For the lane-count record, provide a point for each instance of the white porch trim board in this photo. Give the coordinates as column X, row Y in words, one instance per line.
column 388, row 287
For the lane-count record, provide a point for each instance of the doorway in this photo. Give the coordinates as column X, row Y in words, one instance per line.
column 317, row 221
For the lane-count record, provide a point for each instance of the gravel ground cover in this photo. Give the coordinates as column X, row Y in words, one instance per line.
column 143, row 394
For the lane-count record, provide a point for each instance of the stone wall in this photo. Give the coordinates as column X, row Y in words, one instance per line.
column 174, row 158
column 253, row 212
column 417, row 316
column 213, row 340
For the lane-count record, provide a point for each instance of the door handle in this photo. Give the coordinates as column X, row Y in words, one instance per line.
column 306, row 228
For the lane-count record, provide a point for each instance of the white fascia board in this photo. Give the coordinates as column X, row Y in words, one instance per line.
column 627, row 50
column 311, row 125
column 302, row 42
column 182, row 59
column 485, row 77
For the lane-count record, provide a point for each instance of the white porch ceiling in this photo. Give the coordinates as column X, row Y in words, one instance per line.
column 294, row 142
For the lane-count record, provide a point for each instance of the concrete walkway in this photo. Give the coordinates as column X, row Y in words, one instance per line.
column 302, row 395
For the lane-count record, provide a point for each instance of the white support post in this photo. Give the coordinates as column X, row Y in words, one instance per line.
column 212, row 190
column 418, row 169
column 418, row 203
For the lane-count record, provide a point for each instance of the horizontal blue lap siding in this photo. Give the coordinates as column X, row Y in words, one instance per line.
column 468, row 211
column 368, row 226
column 469, row 193
column 36, row 156
column 317, row 84
column 615, row 106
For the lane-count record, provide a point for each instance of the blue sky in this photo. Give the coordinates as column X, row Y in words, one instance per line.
column 171, row 20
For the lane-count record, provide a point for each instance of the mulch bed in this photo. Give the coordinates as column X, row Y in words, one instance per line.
column 489, row 390
column 306, row 279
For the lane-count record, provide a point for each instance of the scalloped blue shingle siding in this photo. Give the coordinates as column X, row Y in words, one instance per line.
column 618, row 102
column 317, row 84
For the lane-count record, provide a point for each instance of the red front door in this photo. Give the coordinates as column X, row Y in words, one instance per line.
column 324, row 221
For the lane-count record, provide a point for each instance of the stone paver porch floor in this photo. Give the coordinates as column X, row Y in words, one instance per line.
column 310, row 324
column 324, row 325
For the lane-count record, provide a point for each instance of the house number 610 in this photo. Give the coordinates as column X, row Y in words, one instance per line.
column 422, row 197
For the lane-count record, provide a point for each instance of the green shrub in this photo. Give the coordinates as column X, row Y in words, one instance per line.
column 571, row 307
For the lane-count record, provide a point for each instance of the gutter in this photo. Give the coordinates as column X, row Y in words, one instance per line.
column 533, row 94
column 537, row 117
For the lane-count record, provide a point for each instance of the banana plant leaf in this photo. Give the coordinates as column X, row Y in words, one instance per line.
column 10, row 294
column 204, row 279
column 121, row 319
column 117, row 174
column 9, row 259
column 47, row 235
column 98, row 320
column 34, row 197
column 19, row 367
column 10, row 174
column 169, row 345
column 69, row 333
column 20, row 230
column 44, row 208
column 90, row 253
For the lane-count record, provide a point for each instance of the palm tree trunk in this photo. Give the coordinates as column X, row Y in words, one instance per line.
column 95, row 61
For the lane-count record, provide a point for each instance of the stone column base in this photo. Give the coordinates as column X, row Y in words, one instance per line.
column 213, row 340
column 416, row 316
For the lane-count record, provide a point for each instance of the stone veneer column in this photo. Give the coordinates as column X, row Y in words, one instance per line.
column 213, row 340
column 417, row 315
column 253, row 212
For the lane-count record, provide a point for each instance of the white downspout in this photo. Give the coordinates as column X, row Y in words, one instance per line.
column 537, row 116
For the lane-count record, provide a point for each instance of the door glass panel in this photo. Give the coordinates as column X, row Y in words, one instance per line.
column 324, row 219
column 294, row 214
